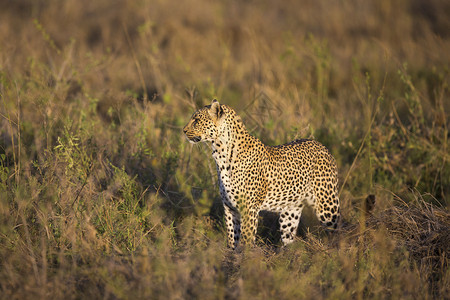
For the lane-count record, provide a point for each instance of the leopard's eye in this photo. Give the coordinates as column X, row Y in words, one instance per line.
column 195, row 121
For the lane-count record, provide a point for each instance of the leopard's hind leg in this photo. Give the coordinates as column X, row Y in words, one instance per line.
column 289, row 221
column 326, row 204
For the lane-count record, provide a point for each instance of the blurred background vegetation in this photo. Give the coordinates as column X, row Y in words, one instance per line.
column 103, row 197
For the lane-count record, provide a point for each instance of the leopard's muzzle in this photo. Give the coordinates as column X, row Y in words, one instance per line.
column 195, row 139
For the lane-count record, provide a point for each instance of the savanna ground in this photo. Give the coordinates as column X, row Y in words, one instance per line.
column 103, row 197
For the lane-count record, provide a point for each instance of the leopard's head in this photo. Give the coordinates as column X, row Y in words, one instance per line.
column 204, row 123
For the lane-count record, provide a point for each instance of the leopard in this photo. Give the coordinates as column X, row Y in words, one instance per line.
column 255, row 177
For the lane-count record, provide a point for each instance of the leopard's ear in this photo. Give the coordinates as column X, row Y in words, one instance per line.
column 216, row 110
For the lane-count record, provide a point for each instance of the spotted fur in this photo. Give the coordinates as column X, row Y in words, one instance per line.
column 255, row 177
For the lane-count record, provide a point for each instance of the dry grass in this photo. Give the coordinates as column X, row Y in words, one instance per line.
column 418, row 228
column 102, row 197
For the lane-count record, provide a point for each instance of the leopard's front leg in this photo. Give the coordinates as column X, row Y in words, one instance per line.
column 249, row 216
column 233, row 223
